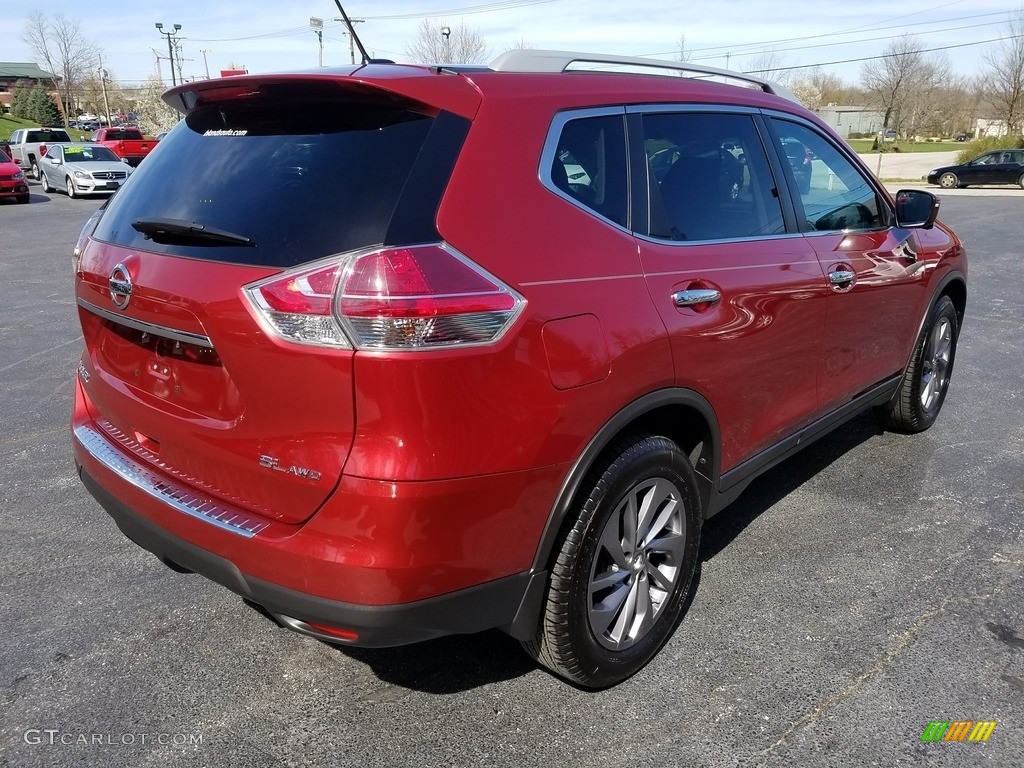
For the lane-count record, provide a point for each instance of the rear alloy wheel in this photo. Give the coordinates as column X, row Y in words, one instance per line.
column 620, row 580
column 949, row 181
column 916, row 404
column 71, row 188
column 34, row 169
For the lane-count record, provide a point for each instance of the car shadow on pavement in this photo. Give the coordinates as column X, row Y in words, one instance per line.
column 779, row 482
column 462, row 662
column 449, row 664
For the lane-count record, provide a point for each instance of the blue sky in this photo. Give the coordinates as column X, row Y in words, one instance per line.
column 268, row 35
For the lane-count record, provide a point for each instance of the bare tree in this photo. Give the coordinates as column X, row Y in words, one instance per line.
column 522, row 44
column 58, row 42
column 445, row 44
column 1005, row 75
column 771, row 65
column 902, row 82
column 684, row 54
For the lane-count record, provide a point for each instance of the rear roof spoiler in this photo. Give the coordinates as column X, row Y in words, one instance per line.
column 530, row 60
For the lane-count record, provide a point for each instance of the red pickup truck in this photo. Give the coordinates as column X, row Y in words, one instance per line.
column 127, row 143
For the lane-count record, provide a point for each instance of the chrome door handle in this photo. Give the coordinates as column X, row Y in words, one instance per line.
column 696, row 296
column 840, row 277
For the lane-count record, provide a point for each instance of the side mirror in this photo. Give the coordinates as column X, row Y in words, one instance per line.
column 916, row 209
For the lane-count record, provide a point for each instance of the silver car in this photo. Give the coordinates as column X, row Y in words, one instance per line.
column 82, row 169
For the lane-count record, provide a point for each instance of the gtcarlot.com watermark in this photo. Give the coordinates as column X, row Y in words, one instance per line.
column 53, row 737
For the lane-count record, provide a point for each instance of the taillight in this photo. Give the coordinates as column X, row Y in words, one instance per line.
column 85, row 234
column 417, row 297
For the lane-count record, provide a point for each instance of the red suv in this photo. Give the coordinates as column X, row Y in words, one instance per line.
column 399, row 351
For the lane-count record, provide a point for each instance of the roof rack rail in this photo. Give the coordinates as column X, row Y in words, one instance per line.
column 531, row 60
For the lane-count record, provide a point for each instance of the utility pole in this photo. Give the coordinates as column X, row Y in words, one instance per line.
column 206, row 64
column 170, row 47
column 103, row 84
column 351, row 40
column 317, row 25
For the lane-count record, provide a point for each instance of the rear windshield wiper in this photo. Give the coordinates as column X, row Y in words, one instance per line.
column 179, row 230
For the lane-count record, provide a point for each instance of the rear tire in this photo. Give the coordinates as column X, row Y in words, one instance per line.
column 1020, row 181
column 922, row 391
column 33, row 169
column 619, row 583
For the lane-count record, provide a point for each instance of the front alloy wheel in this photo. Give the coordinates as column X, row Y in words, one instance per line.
column 624, row 564
column 922, row 391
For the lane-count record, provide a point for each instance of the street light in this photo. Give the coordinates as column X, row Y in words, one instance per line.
column 446, row 33
column 170, row 50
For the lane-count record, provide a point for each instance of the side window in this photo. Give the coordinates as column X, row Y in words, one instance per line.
column 835, row 194
column 708, row 177
column 589, row 165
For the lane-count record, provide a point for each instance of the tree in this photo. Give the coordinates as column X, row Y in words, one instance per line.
column 684, row 54
column 461, row 45
column 902, row 82
column 770, row 65
column 58, row 42
column 154, row 114
column 19, row 100
column 41, row 108
column 1005, row 75
column 817, row 88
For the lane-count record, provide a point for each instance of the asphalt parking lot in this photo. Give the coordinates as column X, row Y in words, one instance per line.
column 857, row 592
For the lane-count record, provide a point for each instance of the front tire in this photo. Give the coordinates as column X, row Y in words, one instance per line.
column 71, row 188
column 949, row 181
column 623, row 570
column 47, row 187
column 917, row 402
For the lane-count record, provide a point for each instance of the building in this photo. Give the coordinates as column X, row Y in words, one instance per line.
column 13, row 71
column 984, row 127
column 849, row 120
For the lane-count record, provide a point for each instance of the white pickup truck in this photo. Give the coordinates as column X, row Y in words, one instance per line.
column 28, row 145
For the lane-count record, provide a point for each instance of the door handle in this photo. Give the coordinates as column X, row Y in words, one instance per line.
column 840, row 277
column 693, row 296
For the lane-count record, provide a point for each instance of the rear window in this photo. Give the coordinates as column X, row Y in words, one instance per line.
column 303, row 177
column 47, row 136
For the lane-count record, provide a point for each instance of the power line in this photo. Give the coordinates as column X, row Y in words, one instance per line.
column 885, row 55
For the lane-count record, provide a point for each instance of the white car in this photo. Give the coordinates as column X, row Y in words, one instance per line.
column 82, row 169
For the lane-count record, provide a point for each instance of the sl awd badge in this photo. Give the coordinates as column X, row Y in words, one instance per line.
column 272, row 462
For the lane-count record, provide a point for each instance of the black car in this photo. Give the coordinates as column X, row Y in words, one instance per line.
column 1001, row 166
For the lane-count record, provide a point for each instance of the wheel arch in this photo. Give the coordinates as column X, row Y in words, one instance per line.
column 955, row 286
column 682, row 415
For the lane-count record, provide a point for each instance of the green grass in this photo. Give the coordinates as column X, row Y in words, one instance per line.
column 865, row 145
column 9, row 125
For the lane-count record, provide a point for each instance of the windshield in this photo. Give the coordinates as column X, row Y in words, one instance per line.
column 89, row 154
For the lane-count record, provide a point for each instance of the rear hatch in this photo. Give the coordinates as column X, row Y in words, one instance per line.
column 261, row 178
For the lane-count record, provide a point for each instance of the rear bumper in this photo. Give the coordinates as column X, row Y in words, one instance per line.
column 494, row 604
column 385, row 563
